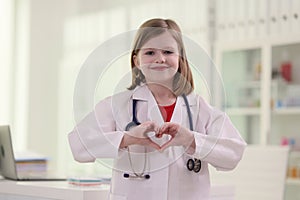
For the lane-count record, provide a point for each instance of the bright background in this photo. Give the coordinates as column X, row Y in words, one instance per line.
column 43, row 45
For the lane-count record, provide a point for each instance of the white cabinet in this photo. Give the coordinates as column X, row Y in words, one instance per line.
column 285, row 94
column 241, row 68
column 261, row 83
column 285, row 114
column 257, row 55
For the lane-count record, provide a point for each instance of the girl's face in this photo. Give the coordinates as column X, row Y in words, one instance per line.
column 158, row 59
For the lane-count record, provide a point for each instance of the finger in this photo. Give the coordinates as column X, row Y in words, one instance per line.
column 168, row 127
column 151, row 130
column 160, row 131
column 153, row 127
column 163, row 130
column 169, row 131
column 156, row 128
column 159, row 134
column 164, row 127
column 174, row 128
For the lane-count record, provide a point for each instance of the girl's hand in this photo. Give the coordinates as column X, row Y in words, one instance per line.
column 180, row 136
column 139, row 135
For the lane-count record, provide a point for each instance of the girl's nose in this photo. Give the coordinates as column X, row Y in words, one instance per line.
column 160, row 58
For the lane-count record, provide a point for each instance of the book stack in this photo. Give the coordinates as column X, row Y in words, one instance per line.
column 88, row 181
column 30, row 163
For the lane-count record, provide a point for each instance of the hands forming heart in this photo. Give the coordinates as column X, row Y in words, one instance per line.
column 180, row 136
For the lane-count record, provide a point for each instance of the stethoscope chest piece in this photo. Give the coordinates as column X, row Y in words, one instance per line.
column 190, row 164
column 194, row 165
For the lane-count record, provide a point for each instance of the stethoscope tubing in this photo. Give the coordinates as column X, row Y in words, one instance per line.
column 192, row 164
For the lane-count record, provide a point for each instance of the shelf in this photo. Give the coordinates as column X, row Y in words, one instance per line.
column 287, row 111
column 250, row 85
column 292, row 181
column 242, row 111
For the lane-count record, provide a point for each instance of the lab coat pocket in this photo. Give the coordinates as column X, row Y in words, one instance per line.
column 116, row 197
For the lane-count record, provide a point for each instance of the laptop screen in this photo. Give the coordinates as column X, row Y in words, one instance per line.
column 7, row 160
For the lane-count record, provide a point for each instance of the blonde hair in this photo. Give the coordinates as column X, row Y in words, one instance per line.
column 183, row 82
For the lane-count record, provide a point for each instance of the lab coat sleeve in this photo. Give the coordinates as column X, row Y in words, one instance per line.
column 96, row 136
column 221, row 144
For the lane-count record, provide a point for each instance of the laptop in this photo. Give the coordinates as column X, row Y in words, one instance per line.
column 8, row 164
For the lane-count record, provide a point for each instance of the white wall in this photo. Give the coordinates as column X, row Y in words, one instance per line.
column 6, row 50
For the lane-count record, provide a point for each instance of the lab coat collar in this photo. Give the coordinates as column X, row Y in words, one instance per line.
column 143, row 93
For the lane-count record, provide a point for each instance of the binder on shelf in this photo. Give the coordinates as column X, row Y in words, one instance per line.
column 295, row 16
column 229, row 8
column 220, row 20
column 191, row 10
column 284, row 16
column 202, row 17
column 241, row 20
column 251, row 19
column 261, row 20
column 274, row 17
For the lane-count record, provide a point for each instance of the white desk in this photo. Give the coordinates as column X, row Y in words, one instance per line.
column 61, row 190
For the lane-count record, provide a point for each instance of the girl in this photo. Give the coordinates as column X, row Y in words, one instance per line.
column 161, row 135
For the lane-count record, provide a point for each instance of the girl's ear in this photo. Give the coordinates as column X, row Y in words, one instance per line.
column 136, row 61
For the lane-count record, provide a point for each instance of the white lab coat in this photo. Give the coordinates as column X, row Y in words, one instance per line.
column 99, row 135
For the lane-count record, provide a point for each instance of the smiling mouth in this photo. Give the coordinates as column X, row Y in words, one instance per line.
column 159, row 68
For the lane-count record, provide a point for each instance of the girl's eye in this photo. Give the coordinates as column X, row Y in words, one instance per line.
column 150, row 53
column 168, row 52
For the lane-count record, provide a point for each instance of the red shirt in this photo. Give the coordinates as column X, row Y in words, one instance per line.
column 167, row 111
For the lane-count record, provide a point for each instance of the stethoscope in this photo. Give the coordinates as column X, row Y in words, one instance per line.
column 192, row 164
